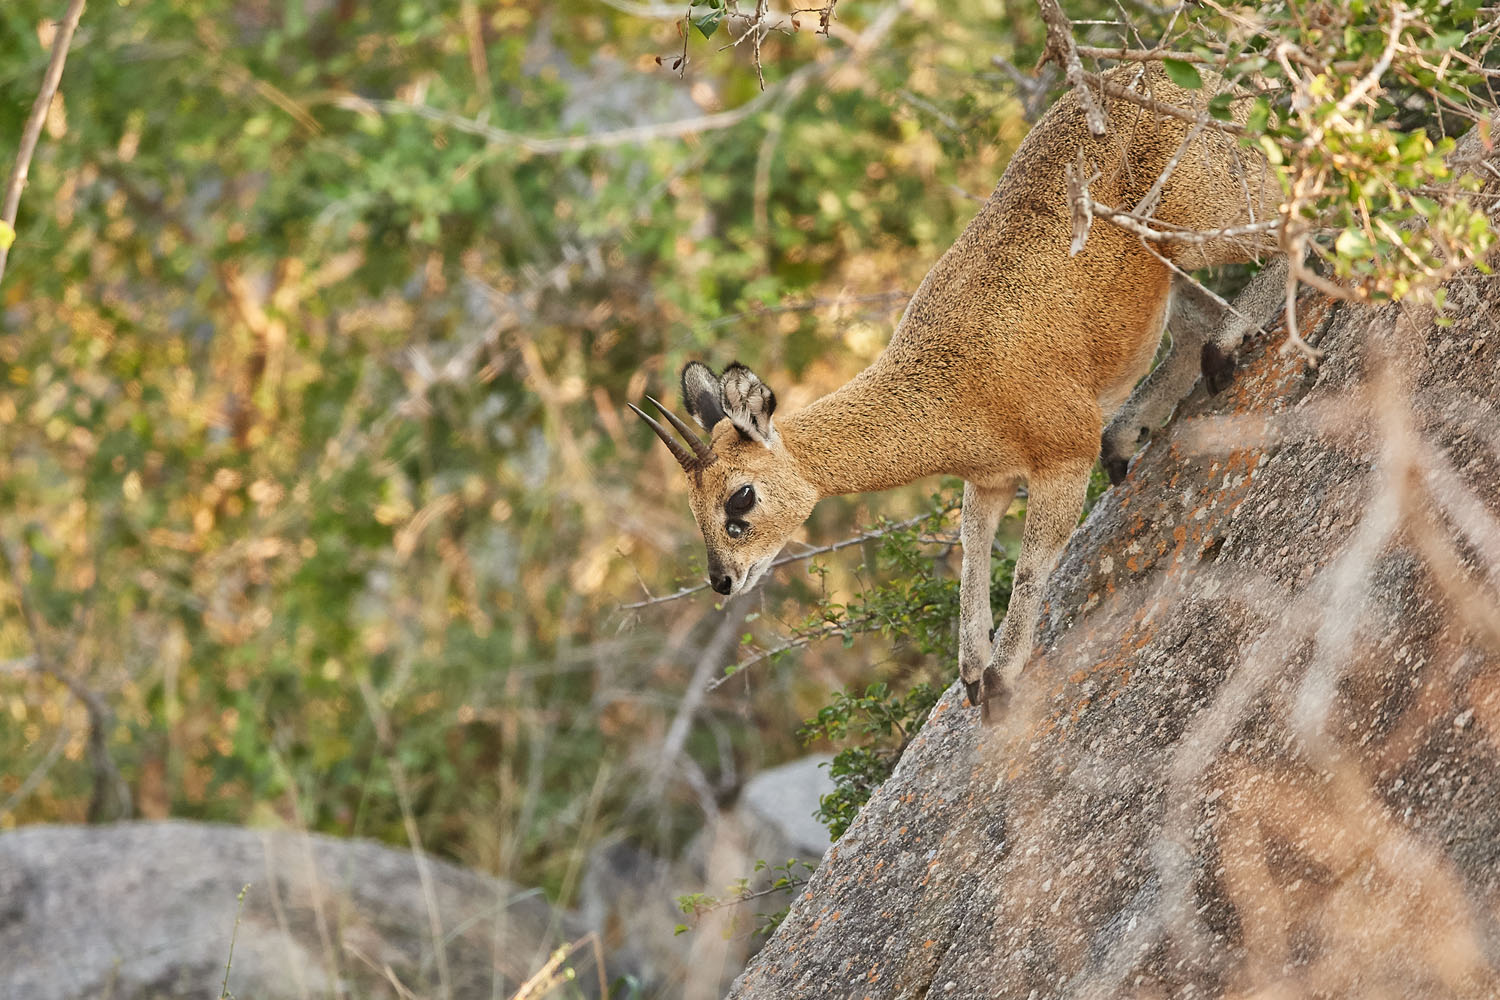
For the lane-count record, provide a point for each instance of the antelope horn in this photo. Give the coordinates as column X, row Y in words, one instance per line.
column 701, row 448
column 688, row 462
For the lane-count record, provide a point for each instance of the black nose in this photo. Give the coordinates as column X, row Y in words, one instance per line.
column 721, row 583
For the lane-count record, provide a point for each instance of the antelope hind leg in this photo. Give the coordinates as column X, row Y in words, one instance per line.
column 1204, row 339
column 1052, row 510
column 982, row 511
column 1254, row 307
column 1193, row 316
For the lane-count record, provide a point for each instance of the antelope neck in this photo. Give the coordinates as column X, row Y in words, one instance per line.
column 879, row 431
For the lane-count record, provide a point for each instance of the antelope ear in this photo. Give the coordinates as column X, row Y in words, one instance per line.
column 748, row 403
column 700, row 393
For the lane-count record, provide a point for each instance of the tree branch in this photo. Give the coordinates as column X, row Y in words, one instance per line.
column 1062, row 50
column 33, row 128
column 863, row 536
column 1142, row 55
column 1142, row 227
column 1161, row 107
column 111, row 796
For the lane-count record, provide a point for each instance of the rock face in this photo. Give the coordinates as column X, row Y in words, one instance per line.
column 147, row 910
column 1257, row 748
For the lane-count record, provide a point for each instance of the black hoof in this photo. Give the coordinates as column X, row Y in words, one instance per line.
column 994, row 697
column 1218, row 368
column 1114, row 464
column 1116, row 467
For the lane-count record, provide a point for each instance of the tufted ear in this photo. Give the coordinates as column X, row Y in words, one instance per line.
column 748, row 403
column 701, row 395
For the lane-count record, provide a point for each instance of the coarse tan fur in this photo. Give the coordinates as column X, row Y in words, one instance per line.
column 1004, row 368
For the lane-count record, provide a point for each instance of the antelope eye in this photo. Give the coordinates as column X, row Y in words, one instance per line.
column 736, row 529
column 741, row 501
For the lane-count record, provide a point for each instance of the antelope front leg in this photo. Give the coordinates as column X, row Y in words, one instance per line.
column 1053, row 504
column 982, row 511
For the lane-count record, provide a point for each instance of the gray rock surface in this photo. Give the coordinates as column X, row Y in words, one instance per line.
column 776, row 808
column 1257, row 748
column 147, row 910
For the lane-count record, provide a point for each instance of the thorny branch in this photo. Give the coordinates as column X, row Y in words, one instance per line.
column 1310, row 184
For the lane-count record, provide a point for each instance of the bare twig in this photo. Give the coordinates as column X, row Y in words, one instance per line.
column 1161, row 107
column 795, row 642
column 1062, row 50
column 864, row 536
column 39, row 772
column 386, row 737
column 1294, row 337
column 1143, row 227
column 1142, row 55
column 709, row 658
column 1147, row 205
column 1371, row 79
column 1222, row 302
column 239, row 909
column 760, row 34
column 1035, row 89
column 1081, row 204
column 33, row 128
column 384, row 968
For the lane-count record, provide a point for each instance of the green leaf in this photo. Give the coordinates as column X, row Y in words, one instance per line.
column 1353, row 244
column 1184, row 74
column 1219, row 107
column 1260, row 114
column 708, row 22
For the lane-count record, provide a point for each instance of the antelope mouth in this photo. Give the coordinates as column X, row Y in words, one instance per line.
column 754, row 574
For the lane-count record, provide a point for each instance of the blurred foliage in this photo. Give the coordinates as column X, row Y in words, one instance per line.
column 311, row 433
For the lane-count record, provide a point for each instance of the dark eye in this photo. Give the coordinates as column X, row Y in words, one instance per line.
column 741, row 501
column 735, row 529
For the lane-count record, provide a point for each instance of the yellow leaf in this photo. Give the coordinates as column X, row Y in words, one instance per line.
column 7, row 235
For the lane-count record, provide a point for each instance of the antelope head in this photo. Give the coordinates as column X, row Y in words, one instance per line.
column 747, row 493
